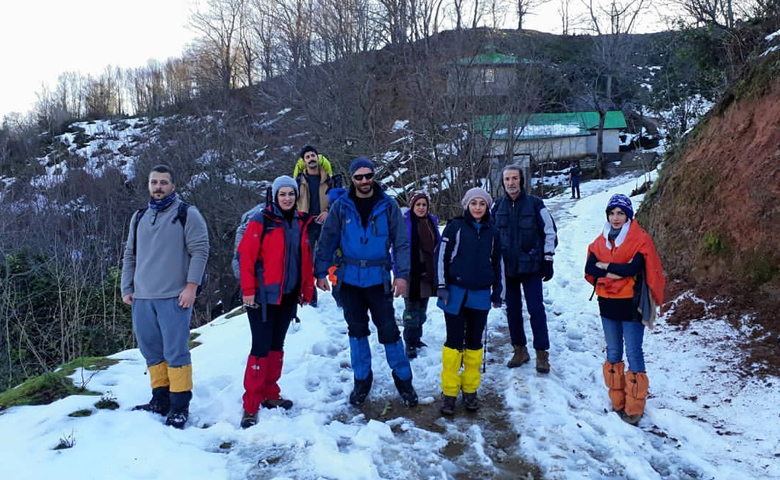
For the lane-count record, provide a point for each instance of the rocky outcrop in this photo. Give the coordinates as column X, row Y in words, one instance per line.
column 715, row 214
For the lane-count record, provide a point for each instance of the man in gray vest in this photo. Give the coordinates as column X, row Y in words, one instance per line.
column 528, row 240
column 164, row 261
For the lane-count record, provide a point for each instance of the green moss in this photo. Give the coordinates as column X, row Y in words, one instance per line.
column 107, row 402
column 714, row 243
column 761, row 269
column 41, row 390
column 81, row 413
column 192, row 343
column 87, row 363
column 761, row 75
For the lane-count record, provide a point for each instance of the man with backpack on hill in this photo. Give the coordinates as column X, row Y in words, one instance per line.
column 163, row 266
column 528, row 240
column 314, row 182
column 365, row 224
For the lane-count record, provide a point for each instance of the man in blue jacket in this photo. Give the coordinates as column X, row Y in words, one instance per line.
column 366, row 224
column 528, row 240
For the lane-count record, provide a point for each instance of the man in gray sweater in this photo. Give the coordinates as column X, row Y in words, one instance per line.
column 164, row 261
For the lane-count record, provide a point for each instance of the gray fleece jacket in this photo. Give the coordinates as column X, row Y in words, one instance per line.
column 167, row 257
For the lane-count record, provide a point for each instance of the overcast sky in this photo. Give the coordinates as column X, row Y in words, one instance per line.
column 40, row 39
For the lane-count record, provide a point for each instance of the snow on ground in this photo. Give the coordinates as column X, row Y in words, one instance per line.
column 702, row 421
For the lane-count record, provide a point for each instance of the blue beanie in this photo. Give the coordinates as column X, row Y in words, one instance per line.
column 283, row 181
column 623, row 202
column 358, row 163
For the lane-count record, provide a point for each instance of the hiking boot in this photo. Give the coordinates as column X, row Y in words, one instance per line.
column 470, row 401
column 361, row 389
column 406, row 390
column 279, row 402
column 543, row 361
column 159, row 404
column 180, row 409
column 447, row 405
column 411, row 351
column 420, row 344
column 520, row 357
column 630, row 419
column 178, row 418
column 248, row 420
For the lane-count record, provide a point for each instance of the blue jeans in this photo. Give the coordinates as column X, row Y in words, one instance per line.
column 532, row 286
column 615, row 332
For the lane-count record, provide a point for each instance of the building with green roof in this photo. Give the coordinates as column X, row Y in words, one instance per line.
column 550, row 136
column 490, row 73
column 544, row 137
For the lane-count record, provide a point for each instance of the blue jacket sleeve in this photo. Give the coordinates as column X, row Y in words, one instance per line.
column 401, row 253
column 330, row 239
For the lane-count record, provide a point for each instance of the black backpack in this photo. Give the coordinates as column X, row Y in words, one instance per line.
column 181, row 217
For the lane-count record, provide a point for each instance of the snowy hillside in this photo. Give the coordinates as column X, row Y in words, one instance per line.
column 702, row 421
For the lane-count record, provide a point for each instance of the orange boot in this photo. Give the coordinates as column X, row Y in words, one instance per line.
column 615, row 380
column 637, row 386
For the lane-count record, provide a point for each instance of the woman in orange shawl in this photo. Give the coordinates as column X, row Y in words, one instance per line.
column 625, row 269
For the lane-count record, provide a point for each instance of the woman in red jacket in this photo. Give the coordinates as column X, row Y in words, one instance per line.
column 276, row 275
column 625, row 268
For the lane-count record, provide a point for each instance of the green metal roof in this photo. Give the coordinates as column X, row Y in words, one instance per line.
column 490, row 57
column 546, row 125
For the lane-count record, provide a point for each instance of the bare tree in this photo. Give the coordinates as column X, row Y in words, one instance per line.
column 719, row 13
column 565, row 13
column 458, row 6
column 293, row 20
column 525, row 7
column 612, row 25
column 345, row 27
column 219, row 26
column 425, row 18
column 265, row 36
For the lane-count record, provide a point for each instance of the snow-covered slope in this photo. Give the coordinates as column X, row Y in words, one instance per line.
column 702, row 422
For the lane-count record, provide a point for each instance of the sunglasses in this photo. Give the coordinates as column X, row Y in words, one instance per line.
column 367, row 176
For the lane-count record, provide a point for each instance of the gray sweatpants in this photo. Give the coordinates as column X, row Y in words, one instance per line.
column 162, row 329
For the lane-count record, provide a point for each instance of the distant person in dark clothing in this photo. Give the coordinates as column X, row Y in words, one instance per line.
column 574, row 179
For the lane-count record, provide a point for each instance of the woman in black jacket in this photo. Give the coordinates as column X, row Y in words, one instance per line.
column 469, row 281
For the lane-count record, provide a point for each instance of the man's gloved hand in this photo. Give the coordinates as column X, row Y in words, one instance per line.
column 443, row 294
column 547, row 270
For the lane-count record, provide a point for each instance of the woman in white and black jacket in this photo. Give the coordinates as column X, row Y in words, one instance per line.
column 468, row 276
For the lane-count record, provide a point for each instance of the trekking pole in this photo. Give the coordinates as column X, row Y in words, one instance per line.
column 484, row 350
